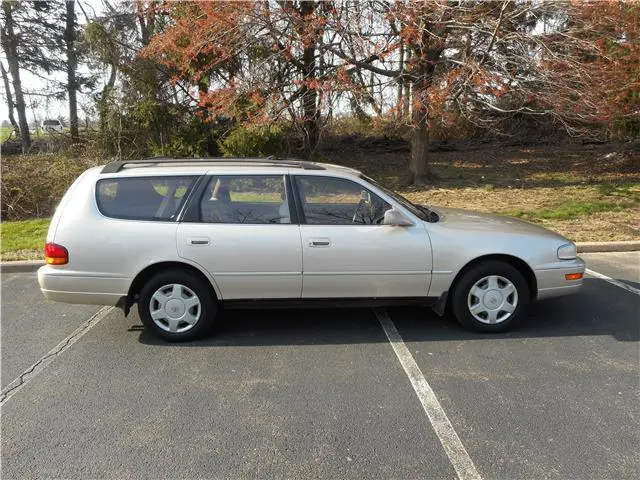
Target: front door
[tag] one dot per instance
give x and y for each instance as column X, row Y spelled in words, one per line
column 348, row 253
column 244, row 237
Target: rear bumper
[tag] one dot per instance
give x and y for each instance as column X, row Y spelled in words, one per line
column 61, row 285
column 552, row 283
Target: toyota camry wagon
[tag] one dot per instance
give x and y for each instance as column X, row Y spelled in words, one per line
column 182, row 238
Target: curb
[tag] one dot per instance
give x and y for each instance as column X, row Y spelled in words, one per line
column 20, row 266
column 583, row 247
column 602, row 247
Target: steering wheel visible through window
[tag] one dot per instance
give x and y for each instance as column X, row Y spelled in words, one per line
column 339, row 201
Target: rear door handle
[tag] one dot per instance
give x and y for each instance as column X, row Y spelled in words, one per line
column 319, row 242
column 198, row 240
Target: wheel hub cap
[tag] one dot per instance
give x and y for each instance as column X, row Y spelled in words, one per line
column 492, row 299
column 175, row 308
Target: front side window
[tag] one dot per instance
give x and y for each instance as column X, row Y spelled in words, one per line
column 250, row 199
column 338, row 201
column 400, row 199
column 143, row 198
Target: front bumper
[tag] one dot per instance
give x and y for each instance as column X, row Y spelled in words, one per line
column 551, row 279
column 62, row 285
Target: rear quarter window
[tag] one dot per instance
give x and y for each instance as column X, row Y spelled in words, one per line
column 143, row 198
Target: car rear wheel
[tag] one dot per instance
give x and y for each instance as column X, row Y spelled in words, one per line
column 176, row 306
column 490, row 297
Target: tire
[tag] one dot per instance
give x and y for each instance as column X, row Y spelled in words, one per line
column 188, row 317
column 490, row 297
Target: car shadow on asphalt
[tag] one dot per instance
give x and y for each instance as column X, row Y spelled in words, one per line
column 598, row 309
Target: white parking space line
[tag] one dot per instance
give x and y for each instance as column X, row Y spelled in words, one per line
column 25, row 377
column 448, row 437
column 613, row 281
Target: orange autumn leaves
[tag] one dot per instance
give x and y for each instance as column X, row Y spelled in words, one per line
column 244, row 59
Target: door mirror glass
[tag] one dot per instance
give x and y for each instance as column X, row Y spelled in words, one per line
column 396, row 218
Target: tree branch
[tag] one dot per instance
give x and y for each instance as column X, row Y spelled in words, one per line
column 495, row 32
column 366, row 64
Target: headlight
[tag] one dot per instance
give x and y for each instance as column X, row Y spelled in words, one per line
column 567, row 252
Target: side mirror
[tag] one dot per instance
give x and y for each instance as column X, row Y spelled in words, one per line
column 395, row 218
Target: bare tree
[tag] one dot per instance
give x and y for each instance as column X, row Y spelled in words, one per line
column 10, row 46
column 71, row 67
column 257, row 62
column 482, row 60
column 9, row 95
column 438, row 61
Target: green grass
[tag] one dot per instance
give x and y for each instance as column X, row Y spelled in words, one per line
column 5, row 133
column 569, row 210
column 612, row 198
column 558, row 178
column 24, row 238
column 630, row 191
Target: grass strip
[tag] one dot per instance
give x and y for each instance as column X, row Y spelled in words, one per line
column 23, row 238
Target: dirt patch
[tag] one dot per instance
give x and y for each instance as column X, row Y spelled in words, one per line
column 507, row 166
column 600, row 182
column 599, row 227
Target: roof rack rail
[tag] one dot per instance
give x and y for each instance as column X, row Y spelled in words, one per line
column 116, row 166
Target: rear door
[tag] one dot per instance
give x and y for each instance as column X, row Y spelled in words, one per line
column 240, row 229
column 348, row 253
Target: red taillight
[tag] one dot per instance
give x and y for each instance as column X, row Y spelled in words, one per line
column 55, row 254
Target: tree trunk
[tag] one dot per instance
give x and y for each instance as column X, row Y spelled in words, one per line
column 400, row 102
column 9, row 44
column 10, row 106
column 147, row 25
column 367, row 94
column 426, row 56
column 419, row 165
column 309, row 96
column 309, row 105
column 406, row 107
column 72, row 65
column 103, row 104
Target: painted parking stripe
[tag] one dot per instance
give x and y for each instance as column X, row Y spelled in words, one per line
column 25, row 377
column 613, row 281
column 448, row 437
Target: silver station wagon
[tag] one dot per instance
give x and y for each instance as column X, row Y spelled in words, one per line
column 181, row 238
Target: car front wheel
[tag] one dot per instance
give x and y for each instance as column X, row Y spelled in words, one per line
column 490, row 297
column 176, row 306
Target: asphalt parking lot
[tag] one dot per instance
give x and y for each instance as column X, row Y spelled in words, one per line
column 324, row 393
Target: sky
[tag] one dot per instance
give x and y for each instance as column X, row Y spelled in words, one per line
column 39, row 106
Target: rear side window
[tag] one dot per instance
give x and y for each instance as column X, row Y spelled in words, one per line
column 143, row 198
column 252, row 199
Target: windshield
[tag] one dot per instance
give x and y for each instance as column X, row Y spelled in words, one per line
column 416, row 210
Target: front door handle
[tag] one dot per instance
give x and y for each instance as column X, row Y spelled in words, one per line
column 319, row 242
column 199, row 240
